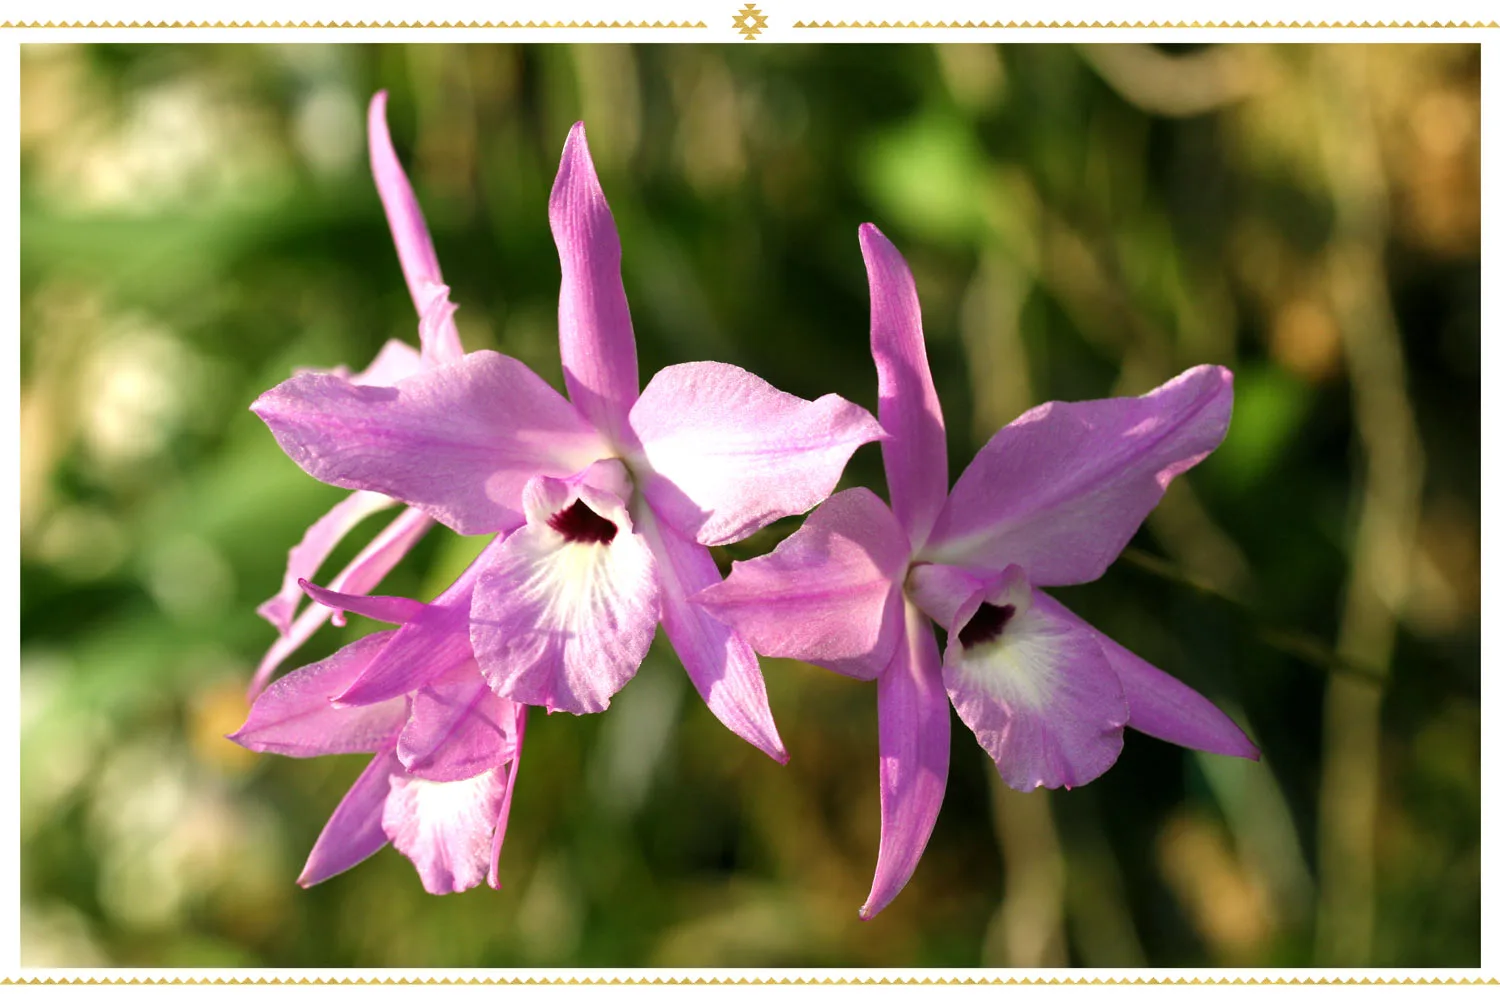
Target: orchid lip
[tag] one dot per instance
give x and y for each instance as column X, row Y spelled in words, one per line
column 580, row 523
column 987, row 625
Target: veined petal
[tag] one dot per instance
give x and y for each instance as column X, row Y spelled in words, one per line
column 916, row 450
column 510, row 794
column 458, row 441
column 308, row 555
column 566, row 613
column 593, row 318
column 1164, row 707
column 830, row 594
column 457, row 730
column 295, row 716
column 354, row 831
column 445, row 828
column 395, row 361
column 427, row 647
column 380, row 607
column 1060, row 490
column 728, row 453
column 721, row 665
column 419, row 264
column 914, row 740
column 1036, row 688
column 363, row 573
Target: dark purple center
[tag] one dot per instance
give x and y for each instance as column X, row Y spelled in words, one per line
column 986, row 625
column 580, row 523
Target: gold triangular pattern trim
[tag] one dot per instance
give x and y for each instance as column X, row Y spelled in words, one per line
column 1144, row 24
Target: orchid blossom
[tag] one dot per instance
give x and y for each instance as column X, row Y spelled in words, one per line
column 440, row 784
column 604, row 505
column 1050, row 500
column 395, row 361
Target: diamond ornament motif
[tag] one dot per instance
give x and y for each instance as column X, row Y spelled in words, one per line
column 750, row 21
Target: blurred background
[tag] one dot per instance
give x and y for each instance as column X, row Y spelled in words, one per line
column 198, row 221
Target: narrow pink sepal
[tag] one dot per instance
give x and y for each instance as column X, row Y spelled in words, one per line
column 308, row 555
column 916, row 450
column 354, row 831
column 914, row 743
column 593, row 317
column 510, row 793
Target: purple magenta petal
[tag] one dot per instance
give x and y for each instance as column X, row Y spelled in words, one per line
column 295, row 717
column 510, row 794
column 829, row 595
column 721, row 665
column 1038, row 692
column 458, row 441
column 308, row 555
column 916, row 452
column 563, row 620
column 363, row 573
column 381, row 607
column 1164, row 707
column 593, row 318
column 457, row 730
column 354, row 831
column 914, row 740
column 395, row 361
column 1060, row 490
column 729, row 453
column 419, row 264
column 445, row 828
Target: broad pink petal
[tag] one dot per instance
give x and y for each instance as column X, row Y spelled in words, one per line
column 308, row 555
column 354, row 831
column 916, row 451
column 1041, row 698
column 395, row 361
column 458, row 441
column 445, row 828
column 295, row 716
column 510, row 794
column 593, row 318
column 914, row 740
column 721, row 665
column 729, row 453
column 457, row 730
column 363, row 573
column 1164, row 707
column 1060, row 490
column 830, row 594
column 564, row 623
column 427, row 647
column 419, row 262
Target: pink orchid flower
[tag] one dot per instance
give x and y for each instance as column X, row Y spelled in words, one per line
column 1050, row 500
column 604, row 505
column 446, row 755
column 395, row 362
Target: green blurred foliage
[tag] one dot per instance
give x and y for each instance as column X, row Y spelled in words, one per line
column 197, row 221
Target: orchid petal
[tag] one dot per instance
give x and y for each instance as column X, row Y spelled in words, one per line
column 916, row 451
column 457, row 730
column 380, row 607
column 428, row 646
column 1037, row 690
column 395, row 361
column 458, row 441
column 419, row 264
column 914, row 741
column 354, row 830
column 729, row 453
column 445, row 828
column 294, row 716
column 830, row 594
column 363, row 573
column 593, row 318
column 564, row 621
column 510, row 793
column 1164, row 707
column 1060, row 490
column 308, row 555
column 720, row 663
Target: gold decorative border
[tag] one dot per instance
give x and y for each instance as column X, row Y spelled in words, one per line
column 633, row 25
column 522, row 980
column 949, row 25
